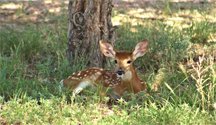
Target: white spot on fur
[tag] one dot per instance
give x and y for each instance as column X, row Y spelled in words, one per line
column 69, row 77
column 73, row 78
column 79, row 73
column 106, row 81
column 93, row 77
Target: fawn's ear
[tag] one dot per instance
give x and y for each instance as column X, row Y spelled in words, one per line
column 140, row 49
column 107, row 49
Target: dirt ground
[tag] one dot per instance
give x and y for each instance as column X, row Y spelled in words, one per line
column 23, row 11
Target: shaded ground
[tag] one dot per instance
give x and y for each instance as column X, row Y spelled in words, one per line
column 20, row 12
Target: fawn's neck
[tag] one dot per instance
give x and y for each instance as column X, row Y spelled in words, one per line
column 131, row 80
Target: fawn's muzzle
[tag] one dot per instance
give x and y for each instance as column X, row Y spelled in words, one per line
column 120, row 72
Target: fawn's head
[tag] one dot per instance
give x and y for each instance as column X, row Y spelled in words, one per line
column 124, row 59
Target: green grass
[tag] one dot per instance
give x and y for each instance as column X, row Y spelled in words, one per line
column 33, row 61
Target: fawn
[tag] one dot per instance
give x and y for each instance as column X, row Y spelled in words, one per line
column 123, row 79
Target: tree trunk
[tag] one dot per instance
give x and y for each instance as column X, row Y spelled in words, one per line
column 89, row 22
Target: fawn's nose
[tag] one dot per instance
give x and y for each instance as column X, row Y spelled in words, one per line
column 120, row 71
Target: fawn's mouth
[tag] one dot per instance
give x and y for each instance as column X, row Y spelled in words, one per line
column 120, row 72
column 124, row 75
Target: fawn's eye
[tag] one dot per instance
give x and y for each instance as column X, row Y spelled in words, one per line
column 128, row 62
column 115, row 61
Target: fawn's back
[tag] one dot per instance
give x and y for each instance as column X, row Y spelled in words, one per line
column 124, row 78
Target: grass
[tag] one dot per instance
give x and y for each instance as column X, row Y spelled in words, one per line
column 179, row 69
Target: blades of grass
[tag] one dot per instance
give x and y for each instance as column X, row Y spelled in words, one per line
column 170, row 88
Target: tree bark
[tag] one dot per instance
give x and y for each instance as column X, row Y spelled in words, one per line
column 89, row 22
